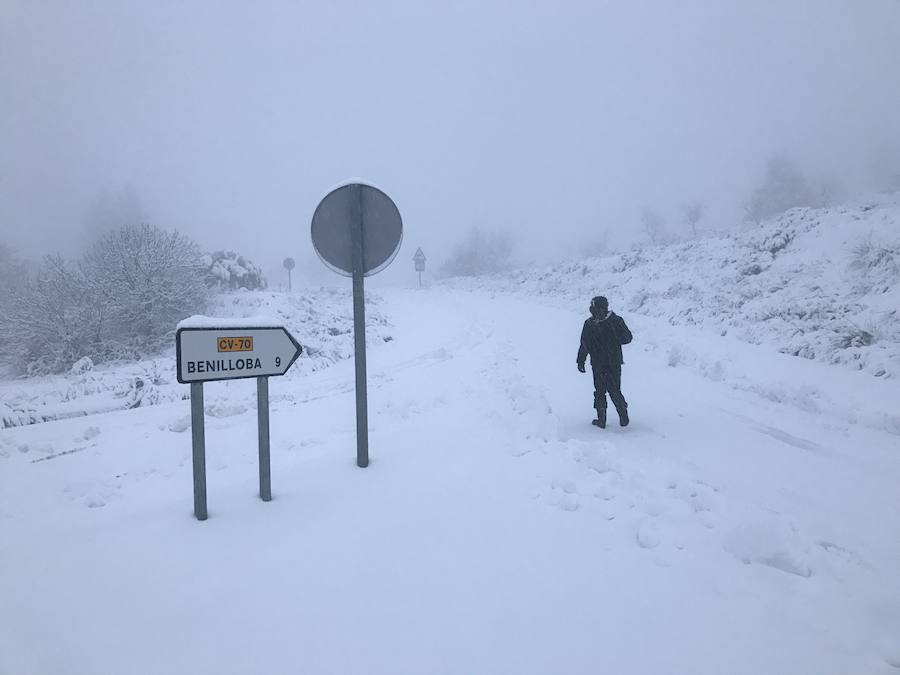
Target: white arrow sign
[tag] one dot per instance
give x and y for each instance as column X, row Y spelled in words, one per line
column 222, row 349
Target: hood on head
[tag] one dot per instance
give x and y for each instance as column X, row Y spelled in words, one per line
column 599, row 306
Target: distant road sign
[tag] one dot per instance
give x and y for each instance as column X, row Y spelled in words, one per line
column 419, row 259
column 209, row 353
column 289, row 265
column 349, row 211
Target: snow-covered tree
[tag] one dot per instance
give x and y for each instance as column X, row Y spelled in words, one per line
column 152, row 277
column 227, row 270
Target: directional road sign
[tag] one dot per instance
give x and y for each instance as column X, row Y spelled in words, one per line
column 208, row 353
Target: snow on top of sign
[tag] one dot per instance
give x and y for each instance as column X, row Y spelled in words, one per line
column 354, row 181
column 199, row 321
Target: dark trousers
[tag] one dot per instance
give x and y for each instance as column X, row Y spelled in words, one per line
column 608, row 379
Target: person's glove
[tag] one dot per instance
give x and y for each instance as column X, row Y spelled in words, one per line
column 580, row 367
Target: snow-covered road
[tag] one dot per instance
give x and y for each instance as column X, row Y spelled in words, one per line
column 746, row 522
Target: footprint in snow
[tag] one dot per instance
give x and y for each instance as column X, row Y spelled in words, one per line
column 648, row 535
column 90, row 433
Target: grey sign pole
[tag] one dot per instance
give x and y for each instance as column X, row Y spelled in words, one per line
column 359, row 331
column 262, row 414
column 198, row 436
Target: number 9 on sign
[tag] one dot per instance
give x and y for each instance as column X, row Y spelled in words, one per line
column 278, row 362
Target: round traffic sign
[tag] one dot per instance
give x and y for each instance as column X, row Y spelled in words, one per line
column 351, row 212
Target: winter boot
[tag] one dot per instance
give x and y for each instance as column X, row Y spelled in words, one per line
column 623, row 417
column 601, row 418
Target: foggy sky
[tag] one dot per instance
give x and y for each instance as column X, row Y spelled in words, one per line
column 553, row 120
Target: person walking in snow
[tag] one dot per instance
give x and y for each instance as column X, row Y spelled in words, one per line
column 602, row 337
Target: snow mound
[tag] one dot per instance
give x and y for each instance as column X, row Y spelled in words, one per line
column 775, row 543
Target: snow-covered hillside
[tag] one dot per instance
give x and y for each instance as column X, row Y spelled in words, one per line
column 321, row 320
column 822, row 284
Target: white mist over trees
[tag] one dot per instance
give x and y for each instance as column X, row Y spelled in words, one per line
column 783, row 188
column 111, row 209
column 654, row 226
column 692, row 214
column 479, row 252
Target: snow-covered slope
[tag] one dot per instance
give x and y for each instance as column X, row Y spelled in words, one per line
column 822, row 284
column 495, row 531
column 321, row 320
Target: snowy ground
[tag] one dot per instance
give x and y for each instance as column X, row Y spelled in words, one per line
column 728, row 530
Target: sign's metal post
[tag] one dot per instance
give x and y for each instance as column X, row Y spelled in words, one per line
column 198, row 437
column 262, row 414
column 359, row 332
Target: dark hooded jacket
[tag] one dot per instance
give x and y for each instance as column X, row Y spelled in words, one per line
column 602, row 337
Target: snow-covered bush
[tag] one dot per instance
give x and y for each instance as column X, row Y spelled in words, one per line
column 52, row 319
column 479, row 253
column 870, row 253
column 120, row 301
column 228, row 271
column 151, row 279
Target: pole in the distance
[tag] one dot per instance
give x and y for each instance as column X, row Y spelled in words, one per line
column 262, row 414
column 359, row 334
column 198, row 437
